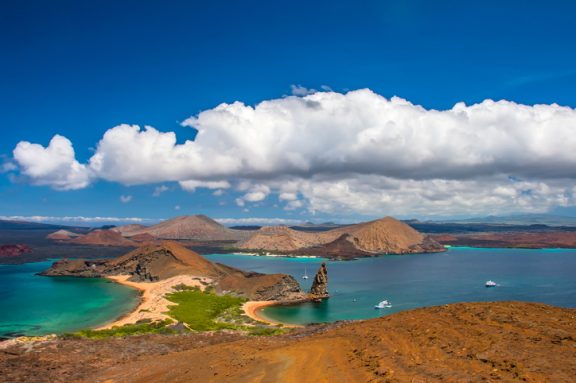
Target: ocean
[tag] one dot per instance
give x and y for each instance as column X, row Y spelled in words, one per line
column 35, row 305
column 419, row 280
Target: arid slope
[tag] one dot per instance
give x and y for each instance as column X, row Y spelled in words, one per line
column 386, row 235
column 468, row 342
column 157, row 262
column 197, row 227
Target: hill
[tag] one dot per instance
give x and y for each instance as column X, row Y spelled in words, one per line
column 196, row 227
column 128, row 229
column 464, row 342
column 62, row 235
column 157, row 262
column 382, row 236
column 102, row 238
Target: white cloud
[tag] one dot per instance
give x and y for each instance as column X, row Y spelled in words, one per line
column 358, row 152
column 218, row 193
column 300, row 91
column 257, row 193
column 177, row 207
column 192, row 185
column 77, row 219
column 125, row 198
column 288, row 196
column 54, row 165
column 293, row 205
column 158, row 190
column 7, row 166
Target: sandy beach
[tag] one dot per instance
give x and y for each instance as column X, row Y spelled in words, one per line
column 153, row 305
column 252, row 309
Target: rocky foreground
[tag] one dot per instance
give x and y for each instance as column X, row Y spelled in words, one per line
column 468, row 342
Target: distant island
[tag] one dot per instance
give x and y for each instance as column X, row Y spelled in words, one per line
column 383, row 236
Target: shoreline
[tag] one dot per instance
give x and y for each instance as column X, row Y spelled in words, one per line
column 253, row 310
column 153, row 305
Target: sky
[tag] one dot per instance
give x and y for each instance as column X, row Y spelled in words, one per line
column 281, row 112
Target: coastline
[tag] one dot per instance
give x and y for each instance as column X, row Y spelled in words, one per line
column 252, row 309
column 153, row 305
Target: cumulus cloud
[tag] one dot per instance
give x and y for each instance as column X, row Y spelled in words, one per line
column 192, row 185
column 358, row 152
column 299, row 90
column 77, row 219
column 54, row 165
column 158, row 190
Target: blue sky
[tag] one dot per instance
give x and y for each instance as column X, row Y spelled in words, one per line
column 78, row 69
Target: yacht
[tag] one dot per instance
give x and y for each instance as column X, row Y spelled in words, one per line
column 491, row 284
column 383, row 305
column 305, row 276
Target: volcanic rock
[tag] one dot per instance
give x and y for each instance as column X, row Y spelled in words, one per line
column 62, row 235
column 103, row 238
column 161, row 261
column 319, row 288
column 197, row 227
column 128, row 229
column 464, row 342
column 14, row 250
column 383, row 236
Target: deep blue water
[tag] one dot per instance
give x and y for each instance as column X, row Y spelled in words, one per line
column 35, row 305
column 412, row 281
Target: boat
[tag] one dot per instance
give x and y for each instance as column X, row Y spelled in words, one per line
column 305, row 276
column 383, row 305
column 491, row 284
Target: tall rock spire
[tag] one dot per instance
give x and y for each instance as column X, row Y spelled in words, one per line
column 319, row 288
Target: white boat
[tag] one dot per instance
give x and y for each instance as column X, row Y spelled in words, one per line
column 383, row 305
column 305, row 276
column 491, row 284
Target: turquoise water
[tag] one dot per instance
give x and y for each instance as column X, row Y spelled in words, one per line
column 35, row 305
column 412, row 281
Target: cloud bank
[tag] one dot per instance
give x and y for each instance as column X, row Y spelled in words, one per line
column 353, row 153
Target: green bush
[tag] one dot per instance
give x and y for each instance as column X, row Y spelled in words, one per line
column 201, row 310
column 158, row 327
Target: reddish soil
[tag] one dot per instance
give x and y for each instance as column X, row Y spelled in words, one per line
column 198, row 227
column 468, row 342
column 102, row 238
column 14, row 250
column 532, row 240
column 382, row 236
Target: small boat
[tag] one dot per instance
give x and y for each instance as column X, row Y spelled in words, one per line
column 491, row 284
column 305, row 276
column 383, row 305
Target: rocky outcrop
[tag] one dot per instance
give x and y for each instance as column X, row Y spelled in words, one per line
column 319, row 288
column 260, row 287
column 161, row 261
column 14, row 250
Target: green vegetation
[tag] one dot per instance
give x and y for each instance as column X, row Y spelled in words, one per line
column 158, row 327
column 199, row 311
column 206, row 311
